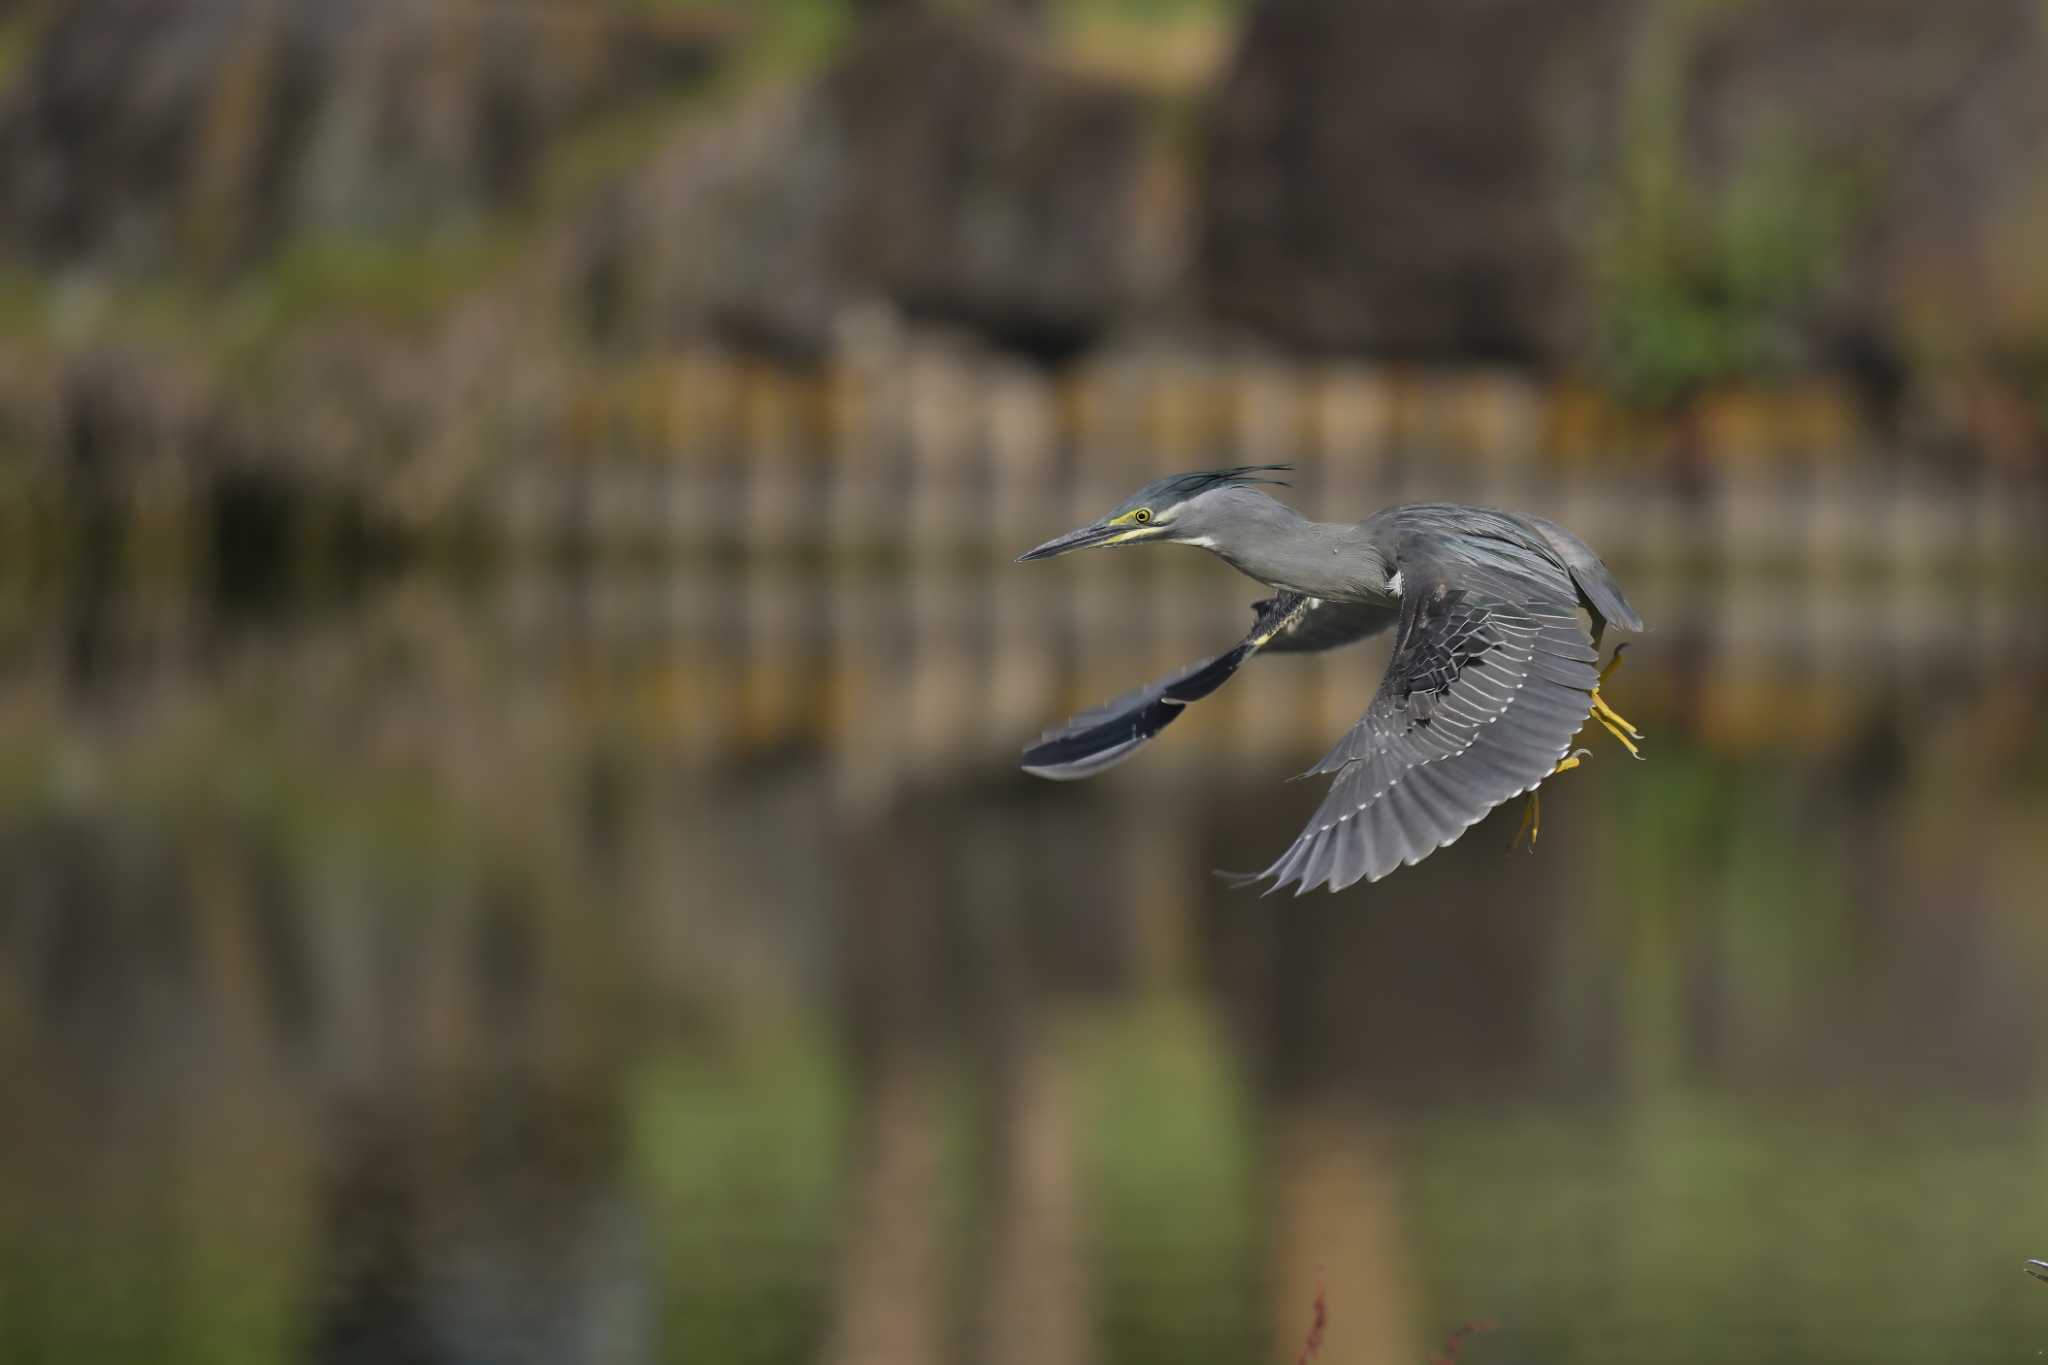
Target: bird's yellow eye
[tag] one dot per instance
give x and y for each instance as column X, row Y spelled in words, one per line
column 1142, row 515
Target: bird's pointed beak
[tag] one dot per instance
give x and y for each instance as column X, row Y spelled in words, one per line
column 1101, row 533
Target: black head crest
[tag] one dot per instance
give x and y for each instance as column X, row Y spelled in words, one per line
column 1180, row 487
column 1187, row 485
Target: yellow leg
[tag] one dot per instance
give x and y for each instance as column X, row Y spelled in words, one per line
column 1607, row 670
column 1532, row 823
column 1610, row 720
column 1532, row 813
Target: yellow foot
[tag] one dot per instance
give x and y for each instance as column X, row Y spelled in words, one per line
column 1610, row 719
column 1617, row 725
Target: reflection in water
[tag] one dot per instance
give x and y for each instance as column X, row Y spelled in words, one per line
column 497, row 1234
column 639, row 963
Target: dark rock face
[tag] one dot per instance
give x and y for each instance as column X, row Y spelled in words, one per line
column 986, row 185
column 944, row 162
column 1385, row 176
column 946, row 166
column 157, row 133
column 1930, row 122
column 1702, row 188
column 1667, row 192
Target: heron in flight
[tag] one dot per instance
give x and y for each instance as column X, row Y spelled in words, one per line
column 1494, row 670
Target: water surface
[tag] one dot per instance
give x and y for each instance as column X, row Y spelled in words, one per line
column 661, row 960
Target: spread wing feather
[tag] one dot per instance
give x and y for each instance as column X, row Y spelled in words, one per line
column 1492, row 675
column 1101, row 738
column 1107, row 735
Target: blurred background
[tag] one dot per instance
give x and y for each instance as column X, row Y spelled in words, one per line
column 511, row 671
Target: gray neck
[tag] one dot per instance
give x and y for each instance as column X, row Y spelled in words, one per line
column 1275, row 544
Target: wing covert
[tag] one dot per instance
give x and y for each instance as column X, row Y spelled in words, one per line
column 1330, row 625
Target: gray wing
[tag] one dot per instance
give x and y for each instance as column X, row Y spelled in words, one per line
column 1109, row 734
column 1492, row 675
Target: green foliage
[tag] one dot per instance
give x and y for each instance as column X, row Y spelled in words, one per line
column 1690, row 1209
column 1170, row 1172
column 784, row 31
column 743, row 1155
column 1149, row 11
column 403, row 278
column 189, row 1247
column 1696, row 281
column 1695, row 287
column 20, row 30
column 2026, row 368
